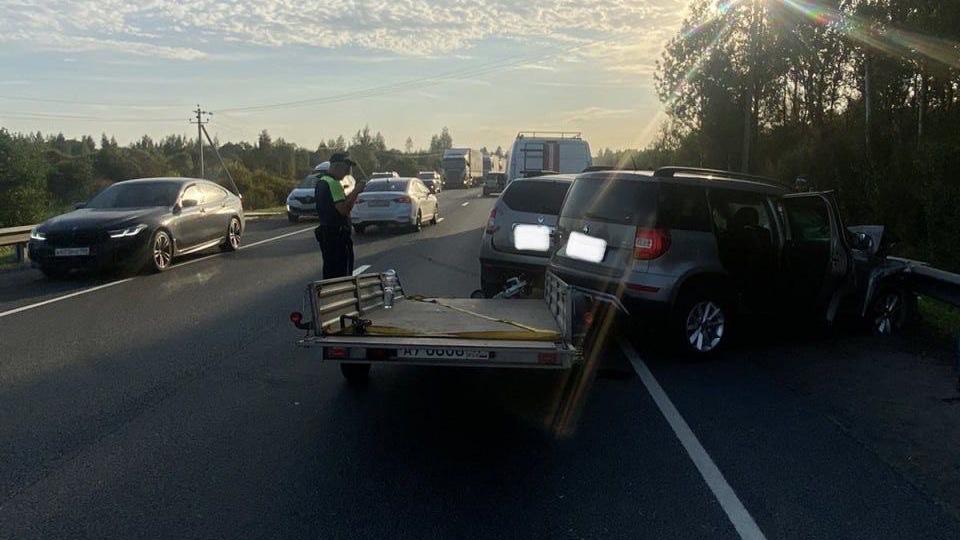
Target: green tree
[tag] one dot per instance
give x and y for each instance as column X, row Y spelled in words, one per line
column 23, row 172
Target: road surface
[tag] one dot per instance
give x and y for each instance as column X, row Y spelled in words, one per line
column 177, row 406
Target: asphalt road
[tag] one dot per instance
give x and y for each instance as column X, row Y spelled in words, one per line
column 177, row 406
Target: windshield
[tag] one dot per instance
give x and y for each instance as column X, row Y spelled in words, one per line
column 310, row 181
column 136, row 195
column 386, row 185
column 586, row 273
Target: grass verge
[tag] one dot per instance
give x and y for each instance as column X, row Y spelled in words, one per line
column 942, row 318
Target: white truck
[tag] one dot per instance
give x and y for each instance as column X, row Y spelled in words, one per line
column 351, row 326
column 537, row 152
column 462, row 167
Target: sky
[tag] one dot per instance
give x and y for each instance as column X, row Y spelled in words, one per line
column 310, row 70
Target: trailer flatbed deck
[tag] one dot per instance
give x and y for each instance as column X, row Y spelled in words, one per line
column 356, row 328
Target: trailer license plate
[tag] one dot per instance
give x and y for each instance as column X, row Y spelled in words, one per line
column 71, row 252
column 432, row 353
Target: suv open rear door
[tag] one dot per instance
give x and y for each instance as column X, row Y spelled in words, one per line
column 816, row 261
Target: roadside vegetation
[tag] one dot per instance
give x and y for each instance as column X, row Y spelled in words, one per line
column 43, row 175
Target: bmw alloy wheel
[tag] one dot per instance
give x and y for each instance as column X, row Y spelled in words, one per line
column 162, row 251
column 233, row 234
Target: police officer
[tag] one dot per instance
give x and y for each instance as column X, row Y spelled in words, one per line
column 333, row 209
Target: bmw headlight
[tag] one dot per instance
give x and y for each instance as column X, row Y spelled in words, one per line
column 129, row 231
column 37, row 236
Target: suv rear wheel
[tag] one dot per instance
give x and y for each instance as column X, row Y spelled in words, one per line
column 702, row 322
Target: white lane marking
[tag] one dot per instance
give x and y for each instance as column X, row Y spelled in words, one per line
column 248, row 246
column 440, row 220
column 362, row 269
column 64, row 297
column 119, row 281
column 466, row 203
column 741, row 519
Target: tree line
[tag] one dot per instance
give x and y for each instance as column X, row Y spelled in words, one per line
column 42, row 175
column 860, row 96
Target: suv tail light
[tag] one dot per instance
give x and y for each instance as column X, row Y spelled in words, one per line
column 650, row 243
column 492, row 222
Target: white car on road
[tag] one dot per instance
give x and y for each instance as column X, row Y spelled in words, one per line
column 404, row 202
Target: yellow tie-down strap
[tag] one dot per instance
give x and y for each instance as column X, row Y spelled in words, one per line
column 524, row 332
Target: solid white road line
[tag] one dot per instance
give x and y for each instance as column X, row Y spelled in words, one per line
column 465, row 203
column 362, row 269
column 248, row 246
column 64, row 297
column 118, row 282
column 440, row 220
column 741, row 519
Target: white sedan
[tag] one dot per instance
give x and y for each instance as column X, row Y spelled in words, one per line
column 395, row 201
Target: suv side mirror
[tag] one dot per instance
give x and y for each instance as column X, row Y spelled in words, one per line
column 862, row 241
column 79, row 205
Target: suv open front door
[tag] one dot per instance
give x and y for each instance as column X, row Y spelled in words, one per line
column 815, row 261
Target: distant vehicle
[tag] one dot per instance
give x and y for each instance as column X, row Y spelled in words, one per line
column 494, row 182
column 558, row 151
column 493, row 163
column 529, row 207
column 384, row 174
column 395, row 201
column 432, row 180
column 300, row 201
column 699, row 247
column 139, row 224
column 462, row 167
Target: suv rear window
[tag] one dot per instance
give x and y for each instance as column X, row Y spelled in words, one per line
column 614, row 200
column 535, row 197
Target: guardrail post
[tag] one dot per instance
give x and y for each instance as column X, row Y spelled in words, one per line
column 21, row 250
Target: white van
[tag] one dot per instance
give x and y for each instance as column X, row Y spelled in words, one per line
column 556, row 151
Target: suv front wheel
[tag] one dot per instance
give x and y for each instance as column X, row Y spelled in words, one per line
column 702, row 323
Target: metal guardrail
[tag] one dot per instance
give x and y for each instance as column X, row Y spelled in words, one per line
column 19, row 236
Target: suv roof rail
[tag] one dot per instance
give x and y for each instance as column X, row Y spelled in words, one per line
column 670, row 172
column 530, row 173
column 595, row 168
column 557, row 134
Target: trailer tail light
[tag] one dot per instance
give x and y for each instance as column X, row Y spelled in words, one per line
column 378, row 354
column 548, row 358
column 403, row 200
column 337, row 353
column 650, row 243
column 296, row 318
column 492, row 222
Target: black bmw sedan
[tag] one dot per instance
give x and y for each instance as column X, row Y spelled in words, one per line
column 139, row 224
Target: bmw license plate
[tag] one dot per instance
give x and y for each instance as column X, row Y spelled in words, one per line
column 72, row 252
column 436, row 353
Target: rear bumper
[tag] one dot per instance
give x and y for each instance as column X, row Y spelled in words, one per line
column 443, row 352
column 389, row 216
column 651, row 298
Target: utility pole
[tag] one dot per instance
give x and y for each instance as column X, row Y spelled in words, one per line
column 202, row 118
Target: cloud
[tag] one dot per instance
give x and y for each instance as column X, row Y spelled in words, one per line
column 198, row 29
column 589, row 114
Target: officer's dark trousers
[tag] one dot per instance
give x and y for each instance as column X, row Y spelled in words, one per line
column 336, row 246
